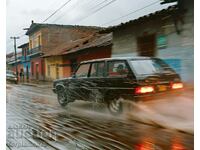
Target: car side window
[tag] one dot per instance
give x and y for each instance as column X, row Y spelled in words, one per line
column 117, row 69
column 97, row 69
column 83, row 70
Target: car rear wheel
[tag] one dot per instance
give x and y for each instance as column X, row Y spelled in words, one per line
column 62, row 99
column 115, row 106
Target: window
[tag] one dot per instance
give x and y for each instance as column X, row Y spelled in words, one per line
column 83, row 71
column 39, row 40
column 49, row 70
column 117, row 69
column 151, row 66
column 32, row 68
column 57, row 72
column 97, row 69
column 31, row 46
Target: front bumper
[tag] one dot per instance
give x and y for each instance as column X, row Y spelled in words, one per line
column 54, row 90
column 11, row 80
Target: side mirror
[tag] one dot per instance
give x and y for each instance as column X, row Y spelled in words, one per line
column 73, row 75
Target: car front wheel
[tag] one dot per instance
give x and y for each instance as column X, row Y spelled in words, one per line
column 62, row 99
column 115, row 106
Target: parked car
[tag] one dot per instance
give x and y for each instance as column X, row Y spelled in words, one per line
column 112, row 80
column 11, row 76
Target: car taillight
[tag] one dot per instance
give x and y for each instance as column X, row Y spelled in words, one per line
column 144, row 89
column 177, row 85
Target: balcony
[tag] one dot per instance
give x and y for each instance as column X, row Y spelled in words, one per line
column 25, row 58
column 34, row 51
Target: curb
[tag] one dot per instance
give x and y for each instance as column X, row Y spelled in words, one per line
column 28, row 84
column 37, row 85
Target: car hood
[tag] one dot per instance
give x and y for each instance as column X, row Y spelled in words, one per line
column 58, row 80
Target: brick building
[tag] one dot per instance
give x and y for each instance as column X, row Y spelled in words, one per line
column 44, row 38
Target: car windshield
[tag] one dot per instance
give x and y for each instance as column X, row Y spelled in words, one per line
column 150, row 66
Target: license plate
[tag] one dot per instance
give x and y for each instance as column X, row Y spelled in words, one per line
column 162, row 88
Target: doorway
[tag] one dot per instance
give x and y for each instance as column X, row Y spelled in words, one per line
column 147, row 45
column 37, row 71
column 27, row 73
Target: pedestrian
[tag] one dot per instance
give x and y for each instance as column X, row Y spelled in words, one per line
column 21, row 74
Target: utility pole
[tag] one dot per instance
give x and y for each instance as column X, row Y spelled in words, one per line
column 15, row 48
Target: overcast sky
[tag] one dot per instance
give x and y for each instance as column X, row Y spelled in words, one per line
column 21, row 12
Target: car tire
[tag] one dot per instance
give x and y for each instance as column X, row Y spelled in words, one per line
column 61, row 96
column 115, row 106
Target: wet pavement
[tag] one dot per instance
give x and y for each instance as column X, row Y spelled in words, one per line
column 35, row 120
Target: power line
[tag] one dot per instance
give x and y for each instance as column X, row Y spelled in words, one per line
column 57, row 10
column 22, row 36
column 130, row 13
column 92, row 13
column 78, row 5
column 59, row 17
column 49, row 16
column 99, row 4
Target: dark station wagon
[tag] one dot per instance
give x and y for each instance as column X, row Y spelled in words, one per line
column 113, row 80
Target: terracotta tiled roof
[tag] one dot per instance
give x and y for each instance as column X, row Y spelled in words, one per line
column 36, row 26
column 96, row 40
column 170, row 9
column 23, row 45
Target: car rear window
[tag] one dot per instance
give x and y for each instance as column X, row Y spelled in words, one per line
column 150, row 66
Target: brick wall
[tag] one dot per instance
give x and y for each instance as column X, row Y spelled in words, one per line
column 55, row 36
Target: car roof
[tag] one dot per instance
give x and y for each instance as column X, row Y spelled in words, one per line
column 116, row 58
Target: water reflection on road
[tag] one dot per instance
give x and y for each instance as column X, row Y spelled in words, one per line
column 36, row 121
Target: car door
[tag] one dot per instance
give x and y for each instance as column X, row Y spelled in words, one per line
column 119, row 79
column 79, row 85
column 97, row 81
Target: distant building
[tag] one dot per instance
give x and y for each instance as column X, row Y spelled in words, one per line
column 168, row 33
column 12, row 64
column 9, row 58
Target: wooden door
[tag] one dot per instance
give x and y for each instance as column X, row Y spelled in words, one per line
column 37, row 71
column 147, row 45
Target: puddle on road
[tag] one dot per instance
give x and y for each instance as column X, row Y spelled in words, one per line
column 176, row 113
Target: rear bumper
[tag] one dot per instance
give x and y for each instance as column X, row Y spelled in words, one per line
column 154, row 96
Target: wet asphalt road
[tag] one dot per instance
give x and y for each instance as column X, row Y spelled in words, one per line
column 36, row 121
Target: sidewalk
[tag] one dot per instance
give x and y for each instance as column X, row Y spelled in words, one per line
column 41, row 84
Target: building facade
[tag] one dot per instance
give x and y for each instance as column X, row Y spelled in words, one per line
column 25, row 61
column 43, row 39
column 63, row 61
column 168, row 34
